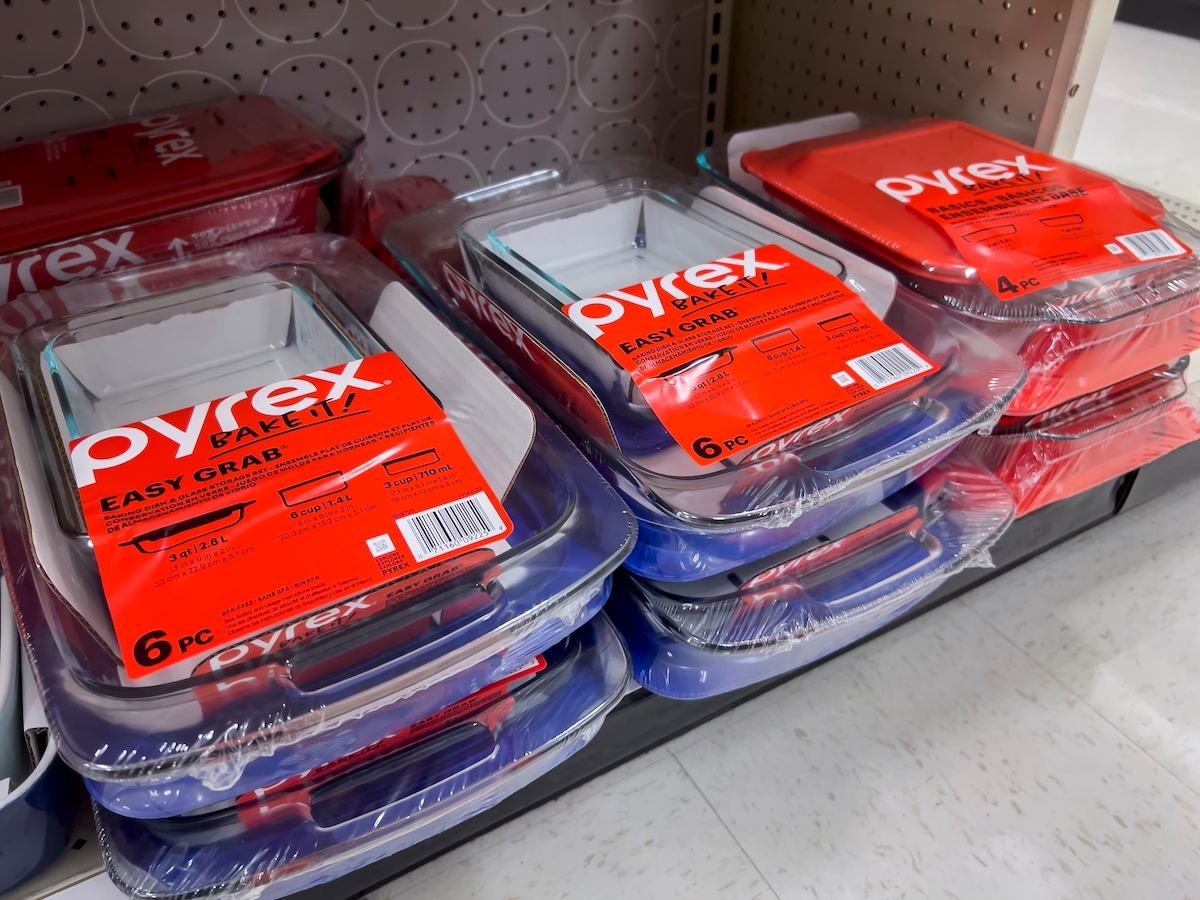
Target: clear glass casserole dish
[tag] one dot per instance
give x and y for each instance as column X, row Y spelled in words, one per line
column 506, row 261
column 1078, row 445
column 364, row 808
column 325, row 681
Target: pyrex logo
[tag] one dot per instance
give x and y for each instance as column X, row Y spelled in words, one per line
column 282, row 638
column 179, row 143
column 484, row 311
column 68, row 263
column 951, row 180
column 594, row 312
column 275, row 400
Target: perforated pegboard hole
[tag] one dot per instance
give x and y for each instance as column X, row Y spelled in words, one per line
column 621, row 136
column 424, row 92
column 36, row 113
column 36, row 39
column 293, row 21
column 160, row 31
column 616, row 63
column 411, row 13
column 322, row 80
column 528, row 154
column 516, row 7
column 683, row 58
column 453, row 170
column 178, row 89
column 249, row 53
column 1182, row 209
column 524, row 77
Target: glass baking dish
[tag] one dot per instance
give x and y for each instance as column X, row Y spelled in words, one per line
column 187, row 737
column 41, row 795
column 1083, row 443
column 177, row 161
column 506, row 260
column 102, row 370
column 361, row 809
column 716, row 634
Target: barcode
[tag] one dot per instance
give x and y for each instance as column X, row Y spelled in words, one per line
column 888, row 366
column 1148, row 245
column 450, row 526
column 10, row 197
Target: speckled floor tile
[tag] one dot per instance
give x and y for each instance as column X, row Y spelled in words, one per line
column 940, row 761
column 651, row 834
column 1115, row 615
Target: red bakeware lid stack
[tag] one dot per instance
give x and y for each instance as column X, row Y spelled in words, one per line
column 76, row 183
column 949, row 202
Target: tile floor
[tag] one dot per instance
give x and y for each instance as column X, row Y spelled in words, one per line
column 1143, row 122
column 1039, row 737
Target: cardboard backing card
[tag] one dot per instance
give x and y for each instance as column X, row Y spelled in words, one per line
column 227, row 518
column 744, row 349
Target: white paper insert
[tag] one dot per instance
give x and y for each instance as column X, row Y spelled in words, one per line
column 780, row 136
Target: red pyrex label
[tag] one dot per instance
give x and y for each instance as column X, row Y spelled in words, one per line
column 282, row 211
column 742, row 350
column 246, row 512
column 490, row 706
column 84, row 181
column 1034, row 221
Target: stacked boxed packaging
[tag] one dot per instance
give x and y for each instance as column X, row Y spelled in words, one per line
column 1090, row 281
column 166, row 186
column 302, row 579
column 751, row 390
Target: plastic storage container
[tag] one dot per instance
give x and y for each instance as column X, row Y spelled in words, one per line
column 174, row 183
column 363, row 809
column 756, row 622
column 41, row 796
column 214, row 720
column 1076, row 446
column 1114, row 290
column 524, row 265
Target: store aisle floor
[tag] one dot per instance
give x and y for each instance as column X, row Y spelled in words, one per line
column 1039, row 737
column 1143, row 122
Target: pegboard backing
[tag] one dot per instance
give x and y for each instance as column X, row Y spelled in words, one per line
column 468, row 91
column 1002, row 64
column 1182, row 209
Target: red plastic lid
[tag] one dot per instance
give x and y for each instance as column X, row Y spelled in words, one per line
column 1096, row 413
column 75, row 183
column 834, row 180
